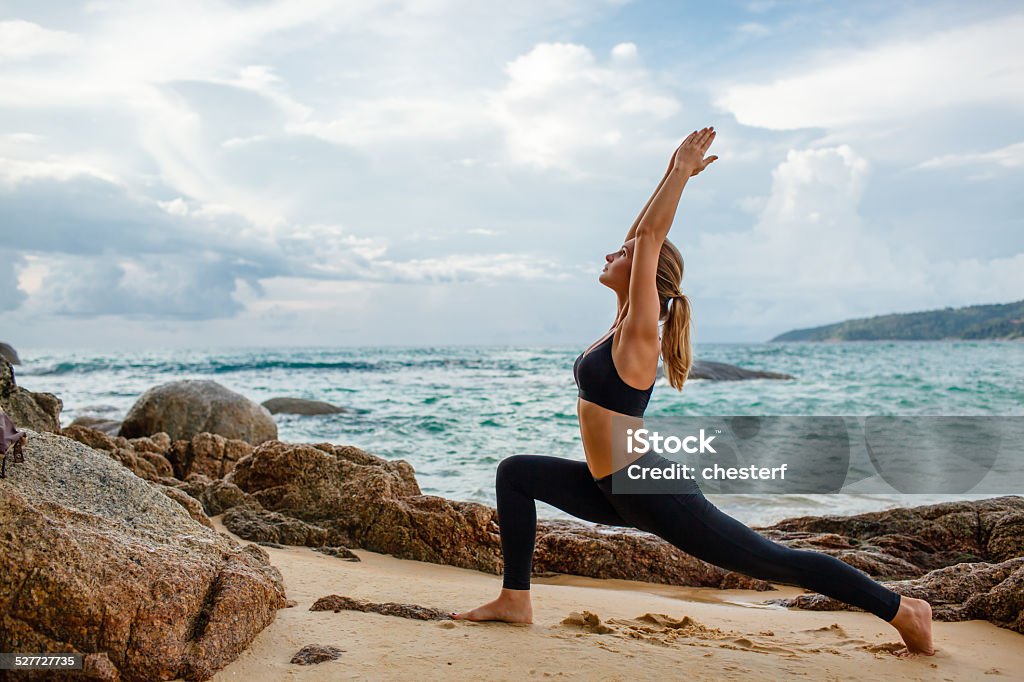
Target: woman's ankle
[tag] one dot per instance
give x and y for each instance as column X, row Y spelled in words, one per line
column 515, row 595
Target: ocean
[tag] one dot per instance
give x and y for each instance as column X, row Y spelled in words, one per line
column 455, row 412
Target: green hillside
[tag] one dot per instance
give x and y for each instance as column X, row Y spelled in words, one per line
column 997, row 321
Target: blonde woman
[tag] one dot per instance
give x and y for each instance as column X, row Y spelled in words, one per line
column 615, row 377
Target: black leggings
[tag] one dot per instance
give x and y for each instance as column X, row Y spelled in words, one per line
column 687, row 520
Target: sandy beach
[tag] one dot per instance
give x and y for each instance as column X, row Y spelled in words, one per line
column 644, row 631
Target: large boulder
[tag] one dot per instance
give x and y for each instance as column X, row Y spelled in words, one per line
column 98, row 561
column 36, row 411
column 185, row 408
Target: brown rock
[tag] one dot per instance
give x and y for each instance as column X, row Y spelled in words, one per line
column 91, row 437
column 191, row 504
column 184, row 409
column 220, row 496
column 260, row 525
column 145, row 463
column 338, row 553
column 908, row 542
column 208, row 454
column 28, row 410
column 159, row 443
column 966, row 591
column 312, row 654
column 336, row 603
column 96, row 560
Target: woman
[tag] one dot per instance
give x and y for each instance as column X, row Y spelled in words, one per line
column 615, row 378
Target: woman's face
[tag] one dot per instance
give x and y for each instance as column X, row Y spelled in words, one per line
column 617, row 267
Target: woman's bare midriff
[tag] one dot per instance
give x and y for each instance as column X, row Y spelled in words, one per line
column 604, row 437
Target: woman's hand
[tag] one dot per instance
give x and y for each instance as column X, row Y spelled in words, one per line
column 689, row 156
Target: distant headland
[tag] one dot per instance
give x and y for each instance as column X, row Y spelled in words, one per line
column 1003, row 321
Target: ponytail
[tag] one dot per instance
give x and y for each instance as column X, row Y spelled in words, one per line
column 676, row 350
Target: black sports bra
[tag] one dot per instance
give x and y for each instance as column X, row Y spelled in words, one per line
column 599, row 382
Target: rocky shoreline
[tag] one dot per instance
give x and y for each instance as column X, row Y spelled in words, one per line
column 109, row 549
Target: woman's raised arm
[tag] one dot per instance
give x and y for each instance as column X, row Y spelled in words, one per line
column 671, row 163
column 641, row 320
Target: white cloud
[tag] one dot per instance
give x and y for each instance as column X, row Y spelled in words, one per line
column 24, row 40
column 1011, row 156
column 559, row 100
column 982, row 63
column 16, row 171
column 811, row 257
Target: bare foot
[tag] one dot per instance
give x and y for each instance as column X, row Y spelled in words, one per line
column 914, row 623
column 511, row 606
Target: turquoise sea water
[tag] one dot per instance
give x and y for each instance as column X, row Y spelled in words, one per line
column 455, row 412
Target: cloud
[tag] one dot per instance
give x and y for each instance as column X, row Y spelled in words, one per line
column 981, row 63
column 1011, row 156
column 107, row 251
column 25, row 40
column 11, row 294
column 140, row 287
column 560, row 100
column 811, row 257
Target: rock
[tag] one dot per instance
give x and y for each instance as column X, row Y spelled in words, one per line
column 337, row 603
column 184, row 409
column 98, row 561
column 159, row 443
column 209, row 454
column 908, row 542
column 111, row 427
column 220, row 496
column 28, row 410
column 260, row 525
column 316, row 653
column 301, row 406
column 338, row 552
column 627, row 554
column 966, row 591
column 145, row 462
column 191, row 504
column 8, row 353
column 721, row 371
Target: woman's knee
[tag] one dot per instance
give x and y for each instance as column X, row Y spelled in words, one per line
column 512, row 468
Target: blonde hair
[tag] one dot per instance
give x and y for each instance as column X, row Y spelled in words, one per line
column 675, row 310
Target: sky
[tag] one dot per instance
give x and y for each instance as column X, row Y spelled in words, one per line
column 435, row 172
